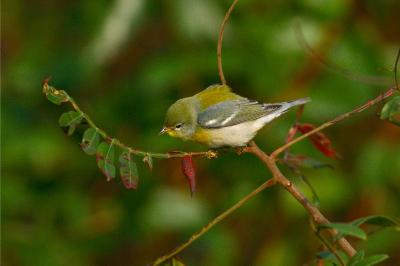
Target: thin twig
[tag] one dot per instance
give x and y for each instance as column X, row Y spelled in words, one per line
column 214, row 222
column 359, row 109
column 326, row 243
column 395, row 69
column 220, row 38
column 175, row 154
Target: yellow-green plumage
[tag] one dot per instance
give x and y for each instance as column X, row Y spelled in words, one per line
column 214, row 95
column 218, row 117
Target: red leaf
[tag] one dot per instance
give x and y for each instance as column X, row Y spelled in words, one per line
column 189, row 172
column 319, row 139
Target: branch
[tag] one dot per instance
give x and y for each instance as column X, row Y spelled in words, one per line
column 220, row 38
column 339, row 118
column 316, row 215
column 63, row 97
column 214, row 222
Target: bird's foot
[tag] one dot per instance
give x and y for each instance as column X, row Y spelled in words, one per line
column 211, row 154
column 241, row 150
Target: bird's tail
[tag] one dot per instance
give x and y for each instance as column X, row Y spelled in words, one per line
column 281, row 108
column 285, row 106
column 298, row 102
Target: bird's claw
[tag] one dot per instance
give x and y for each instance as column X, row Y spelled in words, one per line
column 240, row 150
column 211, row 154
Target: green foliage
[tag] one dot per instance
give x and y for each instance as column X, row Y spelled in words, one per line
column 70, row 120
column 391, row 111
column 105, row 154
column 377, row 220
column 360, row 260
column 55, row 209
column 53, row 95
column 90, row 141
column 346, row 229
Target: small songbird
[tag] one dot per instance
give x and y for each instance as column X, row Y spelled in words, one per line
column 218, row 117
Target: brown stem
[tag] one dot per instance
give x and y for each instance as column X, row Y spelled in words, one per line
column 220, row 38
column 359, row 109
column 214, row 222
column 316, row 215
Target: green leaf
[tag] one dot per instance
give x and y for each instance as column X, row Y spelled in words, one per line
column 90, row 141
column 176, row 262
column 128, row 170
column 105, row 159
column 377, row 220
column 357, row 258
column 371, row 260
column 71, row 120
column 330, row 258
column 391, row 111
column 53, row 95
column 346, row 229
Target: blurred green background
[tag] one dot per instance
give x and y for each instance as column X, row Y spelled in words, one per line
column 125, row 62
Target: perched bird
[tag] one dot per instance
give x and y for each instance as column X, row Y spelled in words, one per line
column 218, row 117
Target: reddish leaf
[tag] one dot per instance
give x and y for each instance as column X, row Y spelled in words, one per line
column 297, row 161
column 128, row 170
column 319, row 139
column 189, row 172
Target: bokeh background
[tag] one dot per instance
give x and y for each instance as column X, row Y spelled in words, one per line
column 125, row 62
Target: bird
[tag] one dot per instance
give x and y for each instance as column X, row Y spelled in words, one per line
column 218, row 117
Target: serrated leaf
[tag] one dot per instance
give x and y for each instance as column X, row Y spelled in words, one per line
column 128, row 170
column 105, row 159
column 189, row 172
column 391, row 111
column 377, row 220
column 53, row 95
column 90, row 141
column 371, row 260
column 359, row 256
column 70, row 120
column 346, row 229
column 148, row 160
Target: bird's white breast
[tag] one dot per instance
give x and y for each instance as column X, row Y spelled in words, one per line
column 235, row 136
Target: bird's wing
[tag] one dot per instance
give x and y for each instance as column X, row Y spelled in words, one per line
column 229, row 113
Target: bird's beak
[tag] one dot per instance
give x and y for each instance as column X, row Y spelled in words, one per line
column 164, row 130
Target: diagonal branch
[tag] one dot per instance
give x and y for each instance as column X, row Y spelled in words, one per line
column 317, row 216
column 339, row 118
column 214, row 222
column 50, row 91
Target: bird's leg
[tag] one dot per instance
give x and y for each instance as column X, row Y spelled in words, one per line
column 245, row 149
column 241, row 150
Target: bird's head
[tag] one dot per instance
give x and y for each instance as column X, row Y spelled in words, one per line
column 180, row 120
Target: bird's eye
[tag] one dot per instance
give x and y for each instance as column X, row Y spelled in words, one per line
column 178, row 126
